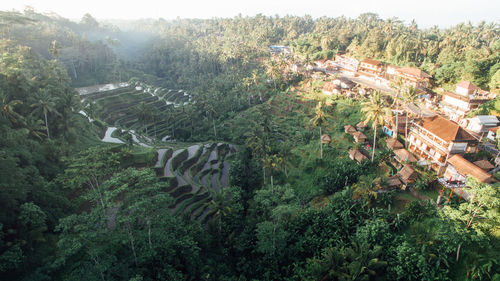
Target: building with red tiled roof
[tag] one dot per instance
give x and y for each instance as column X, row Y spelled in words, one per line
column 466, row 88
column 437, row 138
column 460, row 168
column 370, row 67
column 413, row 76
column 466, row 98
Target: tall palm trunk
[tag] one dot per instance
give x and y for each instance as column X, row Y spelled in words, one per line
column 374, row 141
column 215, row 131
column 320, row 144
column 46, row 125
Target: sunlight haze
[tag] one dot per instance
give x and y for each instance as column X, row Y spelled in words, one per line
column 427, row 13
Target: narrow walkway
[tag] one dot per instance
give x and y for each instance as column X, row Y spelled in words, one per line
column 419, row 195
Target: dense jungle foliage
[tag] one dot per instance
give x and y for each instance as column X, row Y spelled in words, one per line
column 76, row 208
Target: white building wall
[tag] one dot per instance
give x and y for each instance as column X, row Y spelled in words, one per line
column 456, row 102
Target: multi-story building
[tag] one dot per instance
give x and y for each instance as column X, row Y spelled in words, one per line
column 413, row 76
column 346, row 63
column 436, row 139
column 466, row 97
column 371, row 67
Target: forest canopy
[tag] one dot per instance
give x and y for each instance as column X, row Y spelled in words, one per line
column 76, row 208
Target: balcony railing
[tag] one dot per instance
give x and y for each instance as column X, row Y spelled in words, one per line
column 447, row 184
column 428, row 136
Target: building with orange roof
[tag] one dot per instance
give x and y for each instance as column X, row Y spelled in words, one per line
column 437, row 138
column 460, row 168
column 371, row 66
column 466, row 98
column 413, row 76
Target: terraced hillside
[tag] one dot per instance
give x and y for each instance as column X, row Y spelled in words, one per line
column 193, row 175
column 119, row 104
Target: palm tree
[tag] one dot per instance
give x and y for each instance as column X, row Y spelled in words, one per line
column 92, row 108
column 360, row 261
column 410, row 97
column 34, row 126
column 375, row 111
column 398, row 85
column 319, row 119
column 273, row 163
column 44, row 103
column 144, row 114
column 7, row 109
column 219, row 204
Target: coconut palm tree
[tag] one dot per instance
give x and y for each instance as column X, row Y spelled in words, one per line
column 273, row 162
column 318, row 120
column 7, row 109
column 44, row 103
column 398, row 85
column 375, row 111
column 34, row 126
column 220, row 205
column 144, row 114
column 409, row 97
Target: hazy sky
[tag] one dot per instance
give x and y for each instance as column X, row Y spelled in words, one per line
column 425, row 12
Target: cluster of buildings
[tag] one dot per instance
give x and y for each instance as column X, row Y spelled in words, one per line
column 376, row 71
column 436, row 139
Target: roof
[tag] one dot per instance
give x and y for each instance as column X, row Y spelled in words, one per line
column 361, row 125
column 405, row 155
column 414, row 72
column 446, row 129
column 325, row 138
column 355, row 154
column 358, row 135
column 371, row 61
column 349, row 129
column 466, row 168
column 487, row 119
column 494, row 130
column 407, row 174
column 467, row 85
column 484, row 164
column 393, row 143
column 401, row 120
column 393, row 181
column 328, row 86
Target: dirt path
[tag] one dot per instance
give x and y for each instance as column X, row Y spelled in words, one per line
column 419, row 195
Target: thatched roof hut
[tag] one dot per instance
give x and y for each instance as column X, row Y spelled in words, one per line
column 325, row 138
column 393, row 144
column 407, row 174
column 349, row 129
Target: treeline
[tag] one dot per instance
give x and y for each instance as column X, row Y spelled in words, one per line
column 84, row 48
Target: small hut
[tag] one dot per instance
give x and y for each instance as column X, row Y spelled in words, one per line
column 349, row 129
column 361, row 126
column 393, row 144
column 325, row 139
column 357, row 155
column 407, row 174
column 359, row 137
column 484, row 164
column 394, row 182
column 403, row 155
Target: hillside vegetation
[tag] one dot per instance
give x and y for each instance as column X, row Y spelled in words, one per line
column 204, row 159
